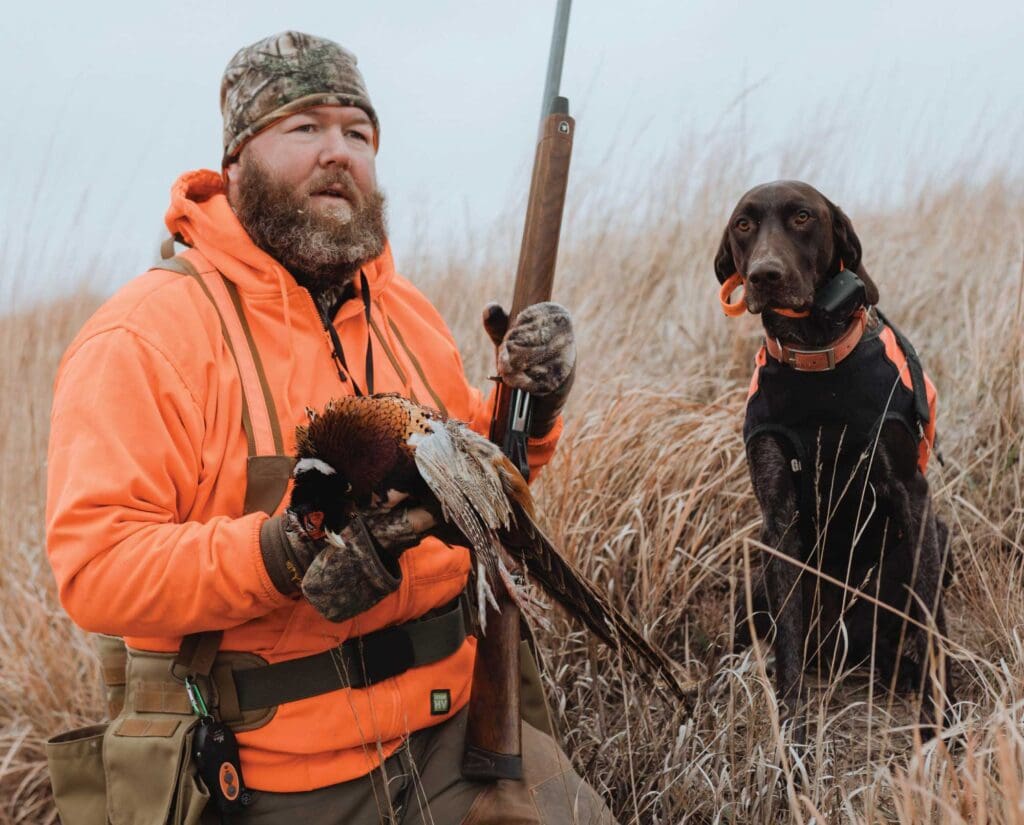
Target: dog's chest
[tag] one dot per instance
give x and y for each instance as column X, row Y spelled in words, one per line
column 831, row 415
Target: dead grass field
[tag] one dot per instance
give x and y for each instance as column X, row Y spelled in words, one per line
column 649, row 494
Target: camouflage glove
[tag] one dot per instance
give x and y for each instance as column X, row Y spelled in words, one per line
column 537, row 353
column 342, row 575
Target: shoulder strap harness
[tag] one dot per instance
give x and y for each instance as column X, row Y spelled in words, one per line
column 268, row 468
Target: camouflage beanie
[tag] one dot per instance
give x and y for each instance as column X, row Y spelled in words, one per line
column 284, row 74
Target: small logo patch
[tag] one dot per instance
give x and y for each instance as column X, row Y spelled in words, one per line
column 440, row 702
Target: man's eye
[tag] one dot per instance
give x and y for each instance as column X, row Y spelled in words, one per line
column 358, row 136
column 305, row 128
column 743, row 224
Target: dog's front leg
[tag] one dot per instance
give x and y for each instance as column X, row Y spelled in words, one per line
column 777, row 495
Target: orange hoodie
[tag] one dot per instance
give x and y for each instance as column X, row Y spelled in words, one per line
column 147, row 470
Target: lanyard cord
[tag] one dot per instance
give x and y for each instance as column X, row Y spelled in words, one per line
column 365, row 285
column 339, row 353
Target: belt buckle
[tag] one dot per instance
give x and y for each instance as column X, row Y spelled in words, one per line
column 384, row 654
column 830, row 359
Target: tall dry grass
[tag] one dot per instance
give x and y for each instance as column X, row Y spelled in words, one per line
column 649, row 494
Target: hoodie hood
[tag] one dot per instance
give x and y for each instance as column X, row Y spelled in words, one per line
column 201, row 217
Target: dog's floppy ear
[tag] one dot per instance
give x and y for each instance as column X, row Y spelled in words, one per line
column 724, row 264
column 847, row 249
column 844, row 239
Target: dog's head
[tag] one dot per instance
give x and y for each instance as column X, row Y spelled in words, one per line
column 786, row 239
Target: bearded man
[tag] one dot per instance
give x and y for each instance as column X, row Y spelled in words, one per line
column 173, row 422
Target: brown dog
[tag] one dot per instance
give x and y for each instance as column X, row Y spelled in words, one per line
column 840, row 423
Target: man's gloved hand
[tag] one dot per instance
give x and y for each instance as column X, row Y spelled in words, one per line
column 537, row 353
column 342, row 575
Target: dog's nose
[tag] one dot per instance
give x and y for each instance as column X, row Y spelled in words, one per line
column 763, row 275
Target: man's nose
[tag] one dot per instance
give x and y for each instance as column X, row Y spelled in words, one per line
column 335, row 149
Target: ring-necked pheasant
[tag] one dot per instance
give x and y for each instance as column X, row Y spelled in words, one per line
column 361, row 450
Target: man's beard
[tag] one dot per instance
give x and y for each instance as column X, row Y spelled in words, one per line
column 320, row 249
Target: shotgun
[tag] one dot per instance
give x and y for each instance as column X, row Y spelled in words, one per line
column 493, row 748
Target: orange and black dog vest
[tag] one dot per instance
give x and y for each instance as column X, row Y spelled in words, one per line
column 837, row 414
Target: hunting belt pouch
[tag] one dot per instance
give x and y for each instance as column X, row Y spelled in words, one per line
column 138, row 769
column 147, row 749
column 75, row 758
column 75, row 762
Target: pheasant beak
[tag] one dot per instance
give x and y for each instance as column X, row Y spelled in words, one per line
column 313, row 525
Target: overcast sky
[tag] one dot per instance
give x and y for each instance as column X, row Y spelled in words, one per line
column 107, row 102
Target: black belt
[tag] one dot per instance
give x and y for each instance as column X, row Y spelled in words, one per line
column 357, row 663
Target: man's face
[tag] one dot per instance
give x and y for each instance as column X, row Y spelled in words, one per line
column 305, row 189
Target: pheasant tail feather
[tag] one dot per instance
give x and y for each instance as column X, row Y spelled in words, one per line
column 566, row 585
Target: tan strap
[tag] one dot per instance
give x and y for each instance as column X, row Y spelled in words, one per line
column 439, row 404
column 269, row 415
column 259, row 418
column 167, row 248
column 197, row 653
column 266, row 479
column 263, row 430
column 266, row 435
column 113, row 659
column 820, row 360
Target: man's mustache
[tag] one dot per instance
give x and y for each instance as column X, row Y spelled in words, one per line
column 342, row 182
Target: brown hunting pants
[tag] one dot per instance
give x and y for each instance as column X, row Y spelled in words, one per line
column 421, row 785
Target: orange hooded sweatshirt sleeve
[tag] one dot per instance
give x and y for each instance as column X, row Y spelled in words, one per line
column 147, row 476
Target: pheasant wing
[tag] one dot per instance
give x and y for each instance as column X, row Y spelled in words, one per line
column 458, row 467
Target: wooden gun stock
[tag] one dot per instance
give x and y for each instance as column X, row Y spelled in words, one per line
column 493, row 748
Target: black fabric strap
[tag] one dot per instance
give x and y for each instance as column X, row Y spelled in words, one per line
column 365, row 286
column 357, row 663
column 339, row 354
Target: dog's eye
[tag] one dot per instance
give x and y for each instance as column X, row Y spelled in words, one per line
column 801, row 217
column 743, row 224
